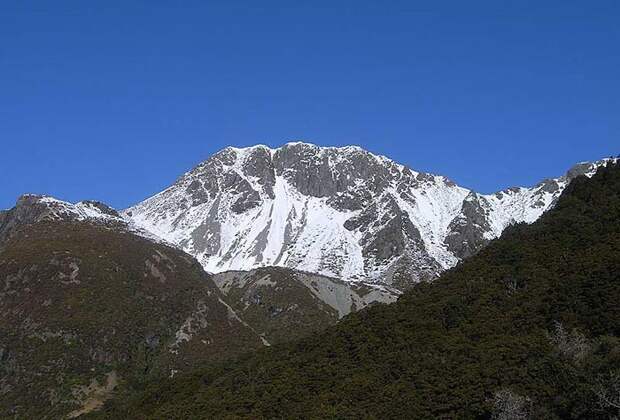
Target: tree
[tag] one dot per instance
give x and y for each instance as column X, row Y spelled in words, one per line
column 573, row 345
column 510, row 406
column 607, row 390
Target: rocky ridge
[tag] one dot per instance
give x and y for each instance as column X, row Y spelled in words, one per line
column 336, row 211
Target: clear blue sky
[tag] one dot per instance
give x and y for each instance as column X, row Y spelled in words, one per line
column 113, row 100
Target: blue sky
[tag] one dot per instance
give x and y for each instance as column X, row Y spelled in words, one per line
column 114, row 100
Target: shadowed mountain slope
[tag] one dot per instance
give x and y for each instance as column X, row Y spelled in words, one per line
column 84, row 308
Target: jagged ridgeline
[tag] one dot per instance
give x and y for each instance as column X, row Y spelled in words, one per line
column 527, row 327
column 341, row 212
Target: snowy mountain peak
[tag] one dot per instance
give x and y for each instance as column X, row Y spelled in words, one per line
column 34, row 208
column 49, row 208
column 336, row 211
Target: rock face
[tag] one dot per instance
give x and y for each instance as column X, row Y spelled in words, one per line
column 32, row 208
column 340, row 212
column 282, row 304
column 84, row 308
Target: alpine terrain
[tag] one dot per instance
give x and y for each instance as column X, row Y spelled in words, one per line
column 259, row 247
column 528, row 328
column 336, row 211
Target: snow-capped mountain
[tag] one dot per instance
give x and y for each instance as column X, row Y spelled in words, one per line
column 337, row 211
column 32, row 208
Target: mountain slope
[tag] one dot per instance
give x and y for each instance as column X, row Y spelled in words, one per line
column 530, row 323
column 72, row 275
column 87, row 306
column 340, row 212
column 282, row 304
column 32, row 208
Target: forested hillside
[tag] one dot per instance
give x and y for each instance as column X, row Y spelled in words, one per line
column 84, row 308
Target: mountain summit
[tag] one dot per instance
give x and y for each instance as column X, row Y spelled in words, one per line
column 337, row 211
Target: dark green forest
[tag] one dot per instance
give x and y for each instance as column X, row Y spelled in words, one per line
column 527, row 328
